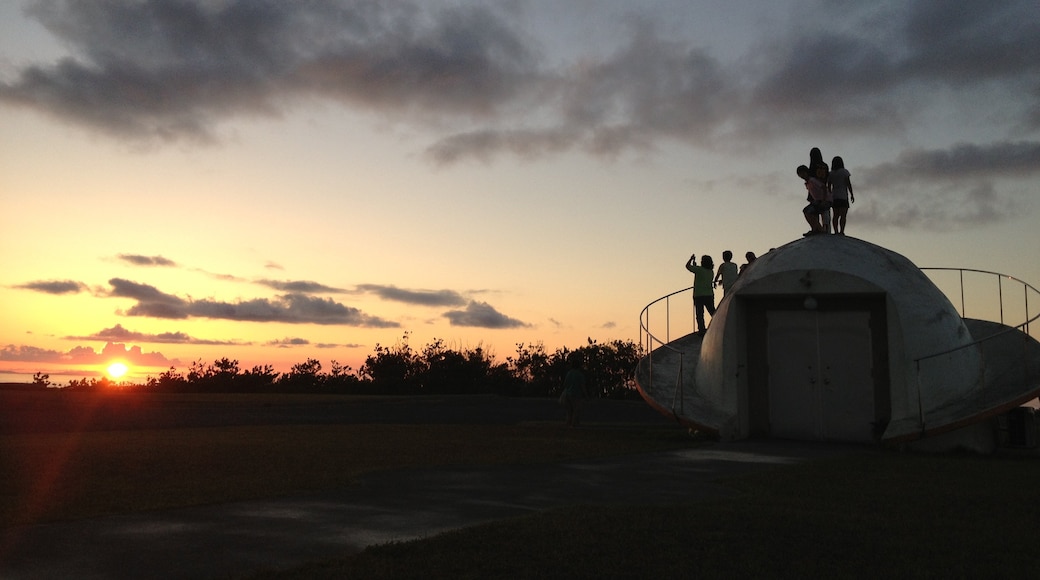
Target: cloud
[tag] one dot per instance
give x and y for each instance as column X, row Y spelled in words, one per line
column 482, row 315
column 300, row 286
column 289, row 308
column 291, row 342
column 138, row 260
column 56, row 287
column 120, row 334
column 150, row 301
column 288, row 342
column 886, row 56
column 939, row 188
column 164, row 70
column 158, row 71
column 85, row 355
column 959, row 162
column 418, row 297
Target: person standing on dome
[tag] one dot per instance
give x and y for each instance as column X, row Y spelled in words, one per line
column 839, row 183
column 750, row 257
column 703, row 292
column 727, row 273
column 816, row 165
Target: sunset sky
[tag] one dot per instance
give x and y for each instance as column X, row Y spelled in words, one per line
column 275, row 181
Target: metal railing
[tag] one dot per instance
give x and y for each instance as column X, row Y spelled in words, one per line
column 650, row 342
column 982, row 310
column 1000, row 281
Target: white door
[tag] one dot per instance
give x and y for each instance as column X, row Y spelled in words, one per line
column 847, row 381
column 820, row 378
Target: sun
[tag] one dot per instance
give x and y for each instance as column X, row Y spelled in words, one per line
column 117, row 370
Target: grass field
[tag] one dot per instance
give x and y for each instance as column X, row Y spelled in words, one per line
column 59, row 476
column 880, row 515
column 877, row 514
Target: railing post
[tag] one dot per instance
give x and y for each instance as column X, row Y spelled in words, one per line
column 1025, row 291
column 693, row 311
column 1000, row 296
column 963, row 313
column 668, row 319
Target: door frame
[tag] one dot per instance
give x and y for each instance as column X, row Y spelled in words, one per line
column 755, row 315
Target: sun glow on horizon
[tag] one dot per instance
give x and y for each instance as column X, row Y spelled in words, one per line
column 117, row 370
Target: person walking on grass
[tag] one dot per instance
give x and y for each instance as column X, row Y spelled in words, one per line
column 575, row 389
column 703, row 293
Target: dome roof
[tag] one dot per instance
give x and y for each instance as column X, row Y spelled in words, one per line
column 892, row 354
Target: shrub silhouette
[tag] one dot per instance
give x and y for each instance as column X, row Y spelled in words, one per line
column 401, row 370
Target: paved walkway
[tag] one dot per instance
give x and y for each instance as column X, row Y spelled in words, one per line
column 230, row 540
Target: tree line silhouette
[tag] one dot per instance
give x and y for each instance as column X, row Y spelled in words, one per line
column 402, row 370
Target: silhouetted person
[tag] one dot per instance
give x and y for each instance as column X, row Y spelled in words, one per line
column 727, row 272
column 817, row 191
column 750, row 257
column 839, row 182
column 703, row 293
column 816, row 163
column 574, row 390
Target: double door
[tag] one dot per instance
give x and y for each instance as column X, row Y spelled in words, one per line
column 820, row 378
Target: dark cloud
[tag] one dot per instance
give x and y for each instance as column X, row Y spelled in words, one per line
column 482, row 315
column 289, row 342
column 965, row 42
column 150, row 301
column 941, row 188
column 289, row 308
column 300, row 286
column 167, row 70
column 53, row 286
column 650, row 89
column 418, row 297
column 155, row 69
column 119, row 334
column 887, row 60
column 26, row 353
column 485, row 144
column 84, row 355
column 959, row 162
column 138, row 260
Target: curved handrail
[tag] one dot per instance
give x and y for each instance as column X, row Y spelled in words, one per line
column 1023, row 327
column 651, row 340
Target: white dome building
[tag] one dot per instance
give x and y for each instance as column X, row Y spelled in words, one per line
column 833, row 338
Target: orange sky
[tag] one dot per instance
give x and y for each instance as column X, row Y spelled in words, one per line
column 322, row 178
